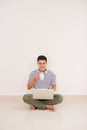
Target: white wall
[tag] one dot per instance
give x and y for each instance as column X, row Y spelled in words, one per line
column 55, row 28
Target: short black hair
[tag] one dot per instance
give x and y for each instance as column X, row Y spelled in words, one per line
column 42, row 57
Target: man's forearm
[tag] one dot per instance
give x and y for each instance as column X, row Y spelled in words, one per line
column 31, row 84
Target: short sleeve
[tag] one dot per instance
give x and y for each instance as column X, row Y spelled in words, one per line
column 31, row 76
column 53, row 81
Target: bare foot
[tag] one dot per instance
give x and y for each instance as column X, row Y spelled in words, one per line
column 33, row 108
column 51, row 107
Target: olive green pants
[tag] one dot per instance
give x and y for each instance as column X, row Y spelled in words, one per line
column 41, row 104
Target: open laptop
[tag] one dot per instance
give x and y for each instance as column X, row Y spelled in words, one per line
column 42, row 93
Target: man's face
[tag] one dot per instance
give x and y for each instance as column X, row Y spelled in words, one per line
column 42, row 65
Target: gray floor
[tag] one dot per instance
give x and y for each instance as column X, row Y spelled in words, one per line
column 70, row 115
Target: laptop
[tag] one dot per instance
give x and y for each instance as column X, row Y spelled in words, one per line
column 42, row 93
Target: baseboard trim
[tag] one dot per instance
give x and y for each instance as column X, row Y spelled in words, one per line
column 66, row 98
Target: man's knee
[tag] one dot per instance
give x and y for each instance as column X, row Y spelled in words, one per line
column 26, row 98
column 58, row 98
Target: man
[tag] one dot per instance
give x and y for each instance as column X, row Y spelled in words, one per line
column 49, row 82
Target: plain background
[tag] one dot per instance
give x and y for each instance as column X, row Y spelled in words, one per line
column 55, row 28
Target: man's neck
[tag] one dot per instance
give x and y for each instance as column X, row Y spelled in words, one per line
column 43, row 70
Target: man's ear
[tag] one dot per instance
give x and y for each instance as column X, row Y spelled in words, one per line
column 37, row 62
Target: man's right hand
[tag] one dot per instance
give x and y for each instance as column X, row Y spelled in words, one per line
column 37, row 77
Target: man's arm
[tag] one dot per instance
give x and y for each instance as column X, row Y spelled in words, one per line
column 54, row 87
column 31, row 84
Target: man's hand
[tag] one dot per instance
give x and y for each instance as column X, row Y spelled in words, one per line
column 54, row 87
column 37, row 77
